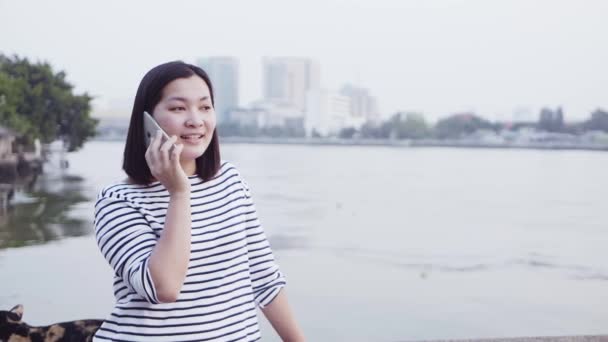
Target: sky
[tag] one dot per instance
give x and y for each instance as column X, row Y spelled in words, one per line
column 501, row 59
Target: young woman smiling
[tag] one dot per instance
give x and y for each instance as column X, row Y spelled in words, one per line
column 191, row 261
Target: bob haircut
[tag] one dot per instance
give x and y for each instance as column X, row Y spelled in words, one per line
column 148, row 96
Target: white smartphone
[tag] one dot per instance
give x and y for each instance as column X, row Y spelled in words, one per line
column 150, row 128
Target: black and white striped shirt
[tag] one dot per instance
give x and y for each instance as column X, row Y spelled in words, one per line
column 231, row 267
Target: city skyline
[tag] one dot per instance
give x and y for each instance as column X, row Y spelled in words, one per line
column 501, row 60
column 288, row 79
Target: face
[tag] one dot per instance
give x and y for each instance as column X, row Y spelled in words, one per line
column 185, row 110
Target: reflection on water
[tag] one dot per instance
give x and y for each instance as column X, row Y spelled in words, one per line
column 437, row 263
column 39, row 211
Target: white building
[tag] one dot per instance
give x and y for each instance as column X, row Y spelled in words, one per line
column 363, row 105
column 287, row 80
column 328, row 112
column 277, row 113
column 247, row 116
column 267, row 114
column 224, row 75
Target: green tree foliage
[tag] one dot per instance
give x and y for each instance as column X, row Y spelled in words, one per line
column 460, row 125
column 551, row 121
column 11, row 95
column 347, row 133
column 598, row 121
column 36, row 102
column 407, row 126
column 234, row 129
column 369, row 130
column 399, row 126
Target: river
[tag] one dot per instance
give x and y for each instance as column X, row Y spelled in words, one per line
column 378, row 243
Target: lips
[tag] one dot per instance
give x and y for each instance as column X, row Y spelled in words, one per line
column 192, row 137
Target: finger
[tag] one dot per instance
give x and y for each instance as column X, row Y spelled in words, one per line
column 164, row 151
column 176, row 153
column 152, row 165
column 169, row 143
column 156, row 141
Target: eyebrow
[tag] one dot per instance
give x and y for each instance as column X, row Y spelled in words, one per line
column 183, row 99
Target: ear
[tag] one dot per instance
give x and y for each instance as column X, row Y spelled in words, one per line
column 16, row 314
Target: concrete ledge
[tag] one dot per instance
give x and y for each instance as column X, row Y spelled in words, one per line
column 584, row 338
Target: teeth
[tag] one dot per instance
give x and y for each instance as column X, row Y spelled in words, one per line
column 192, row 136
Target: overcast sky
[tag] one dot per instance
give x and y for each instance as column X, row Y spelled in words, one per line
column 435, row 57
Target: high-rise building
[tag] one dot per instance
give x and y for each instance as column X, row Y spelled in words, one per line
column 288, row 79
column 363, row 105
column 224, row 75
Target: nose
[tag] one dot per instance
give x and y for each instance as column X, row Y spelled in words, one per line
column 195, row 120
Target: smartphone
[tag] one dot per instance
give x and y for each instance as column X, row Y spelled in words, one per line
column 150, row 128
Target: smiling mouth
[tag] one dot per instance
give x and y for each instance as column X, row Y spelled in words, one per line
column 192, row 137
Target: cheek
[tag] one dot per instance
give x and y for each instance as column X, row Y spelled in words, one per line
column 167, row 124
column 212, row 125
column 212, row 121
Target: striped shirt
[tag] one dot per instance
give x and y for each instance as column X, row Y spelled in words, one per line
column 230, row 272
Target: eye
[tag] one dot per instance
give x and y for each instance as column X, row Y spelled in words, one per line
column 177, row 108
column 206, row 108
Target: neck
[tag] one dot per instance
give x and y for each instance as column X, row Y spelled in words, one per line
column 189, row 167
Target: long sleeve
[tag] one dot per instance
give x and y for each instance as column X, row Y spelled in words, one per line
column 126, row 241
column 266, row 277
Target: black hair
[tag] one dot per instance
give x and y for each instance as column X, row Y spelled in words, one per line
column 148, row 96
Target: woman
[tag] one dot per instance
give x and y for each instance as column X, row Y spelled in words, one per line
column 190, row 259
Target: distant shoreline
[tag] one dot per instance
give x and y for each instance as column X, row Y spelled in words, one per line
column 416, row 143
column 406, row 143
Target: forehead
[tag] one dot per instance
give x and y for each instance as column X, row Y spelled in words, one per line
column 193, row 88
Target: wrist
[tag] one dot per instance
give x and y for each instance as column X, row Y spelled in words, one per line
column 180, row 194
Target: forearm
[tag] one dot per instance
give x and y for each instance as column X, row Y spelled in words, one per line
column 169, row 260
column 281, row 318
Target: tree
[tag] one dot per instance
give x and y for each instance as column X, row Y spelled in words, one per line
column 371, row 130
column 11, row 95
column 407, row 126
column 551, row 121
column 598, row 121
column 460, row 125
column 39, row 103
column 347, row 133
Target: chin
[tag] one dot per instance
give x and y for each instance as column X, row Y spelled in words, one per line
column 190, row 153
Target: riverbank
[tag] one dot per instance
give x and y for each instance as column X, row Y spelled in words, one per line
column 17, row 170
column 594, row 338
column 416, row 143
column 16, row 166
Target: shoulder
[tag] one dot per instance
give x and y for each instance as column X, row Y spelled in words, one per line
column 228, row 169
column 125, row 190
column 227, row 165
column 113, row 189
